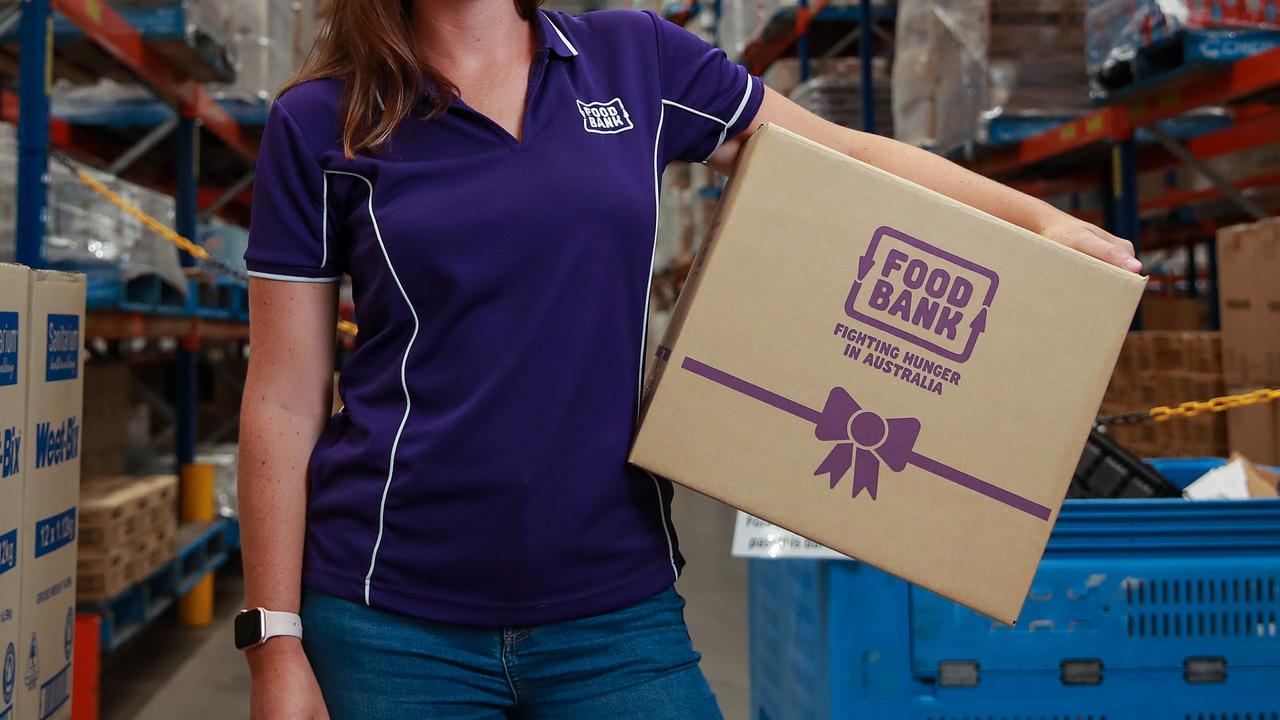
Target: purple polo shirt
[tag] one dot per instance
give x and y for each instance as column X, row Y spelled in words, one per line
column 478, row 472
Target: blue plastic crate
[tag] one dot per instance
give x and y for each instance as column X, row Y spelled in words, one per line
column 1146, row 592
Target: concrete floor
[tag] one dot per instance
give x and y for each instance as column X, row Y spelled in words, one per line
column 172, row 672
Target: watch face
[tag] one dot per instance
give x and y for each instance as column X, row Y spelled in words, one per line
column 248, row 628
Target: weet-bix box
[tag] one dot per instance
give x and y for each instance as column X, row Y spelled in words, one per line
column 895, row 375
column 14, row 289
column 51, row 448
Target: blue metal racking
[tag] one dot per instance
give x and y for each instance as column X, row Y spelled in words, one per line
column 146, row 52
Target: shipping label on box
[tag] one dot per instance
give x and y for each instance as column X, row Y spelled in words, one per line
column 14, row 289
column 52, row 458
column 894, row 375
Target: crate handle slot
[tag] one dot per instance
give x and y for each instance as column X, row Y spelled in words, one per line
column 1081, row 672
column 1204, row 669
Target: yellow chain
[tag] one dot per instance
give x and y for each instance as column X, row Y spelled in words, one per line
column 155, row 225
column 1215, row 405
column 165, row 232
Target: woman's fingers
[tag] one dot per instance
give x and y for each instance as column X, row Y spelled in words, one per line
column 1099, row 243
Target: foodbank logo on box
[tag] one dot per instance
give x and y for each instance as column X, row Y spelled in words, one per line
column 922, row 294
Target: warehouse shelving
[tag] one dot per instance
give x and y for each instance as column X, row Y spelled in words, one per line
column 1110, row 146
column 180, row 141
column 100, row 133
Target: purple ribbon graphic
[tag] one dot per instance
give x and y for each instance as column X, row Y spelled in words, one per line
column 864, row 440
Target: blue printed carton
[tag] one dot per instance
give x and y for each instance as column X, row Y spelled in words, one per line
column 51, row 461
column 14, row 298
column 882, row 370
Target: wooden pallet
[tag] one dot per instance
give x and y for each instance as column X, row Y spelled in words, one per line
column 201, row 549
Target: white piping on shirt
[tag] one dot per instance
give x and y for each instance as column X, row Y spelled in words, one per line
column 725, row 125
column 293, row 278
column 644, row 332
column 746, row 95
column 572, row 50
column 404, row 361
column 324, row 222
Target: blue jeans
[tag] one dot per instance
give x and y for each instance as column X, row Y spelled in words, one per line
column 635, row 663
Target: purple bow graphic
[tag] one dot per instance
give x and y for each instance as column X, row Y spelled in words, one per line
column 865, row 440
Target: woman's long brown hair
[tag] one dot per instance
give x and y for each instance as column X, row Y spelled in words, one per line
column 369, row 45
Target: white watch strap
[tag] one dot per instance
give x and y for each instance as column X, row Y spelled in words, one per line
column 277, row 624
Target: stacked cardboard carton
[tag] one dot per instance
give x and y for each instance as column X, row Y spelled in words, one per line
column 1249, row 296
column 128, row 529
column 51, row 455
column 14, row 297
column 1167, row 368
column 962, row 63
column 105, row 427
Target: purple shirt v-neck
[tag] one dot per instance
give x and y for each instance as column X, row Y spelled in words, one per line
column 478, row 472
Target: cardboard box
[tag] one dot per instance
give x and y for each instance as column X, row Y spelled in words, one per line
column 105, row 405
column 1238, row 479
column 52, row 456
column 792, row 359
column 14, row 298
column 128, row 527
column 1249, row 297
column 1254, row 432
column 1160, row 312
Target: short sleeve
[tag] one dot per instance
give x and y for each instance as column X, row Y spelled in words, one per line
column 289, row 233
column 706, row 97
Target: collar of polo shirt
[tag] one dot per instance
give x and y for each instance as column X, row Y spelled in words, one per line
column 551, row 37
column 548, row 36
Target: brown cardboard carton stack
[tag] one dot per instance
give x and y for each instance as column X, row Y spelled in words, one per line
column 51, row 446
column 128, row 529
column 1163, row 312
column 884, row 370
column 1168, row 368
column 106, row 407
column 14, row 337
column 1249, row 296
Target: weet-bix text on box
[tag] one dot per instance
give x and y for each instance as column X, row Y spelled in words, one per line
column 14, row 289
column 900, row 377
column 51, row 447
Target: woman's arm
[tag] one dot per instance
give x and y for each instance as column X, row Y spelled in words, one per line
column 936, row 173
column 287, row 399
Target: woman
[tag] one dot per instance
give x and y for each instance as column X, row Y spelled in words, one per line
column 471, row 540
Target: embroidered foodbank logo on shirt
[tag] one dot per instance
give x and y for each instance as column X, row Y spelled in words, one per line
column 911, row 296
column 605, row 118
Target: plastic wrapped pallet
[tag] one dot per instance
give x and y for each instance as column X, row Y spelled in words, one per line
column 263, row 43
column 85, row 230
column 208, row 18
column 1117, row 29
column 964, row 63
column 835, row 92
column 742, row 21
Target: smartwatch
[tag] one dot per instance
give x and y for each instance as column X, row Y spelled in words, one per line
column 258, row 625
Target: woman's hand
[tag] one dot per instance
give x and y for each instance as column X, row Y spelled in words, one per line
column 283, row 684
column 1092, row 240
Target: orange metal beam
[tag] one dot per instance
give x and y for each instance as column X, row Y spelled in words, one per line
column 1240, row 80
